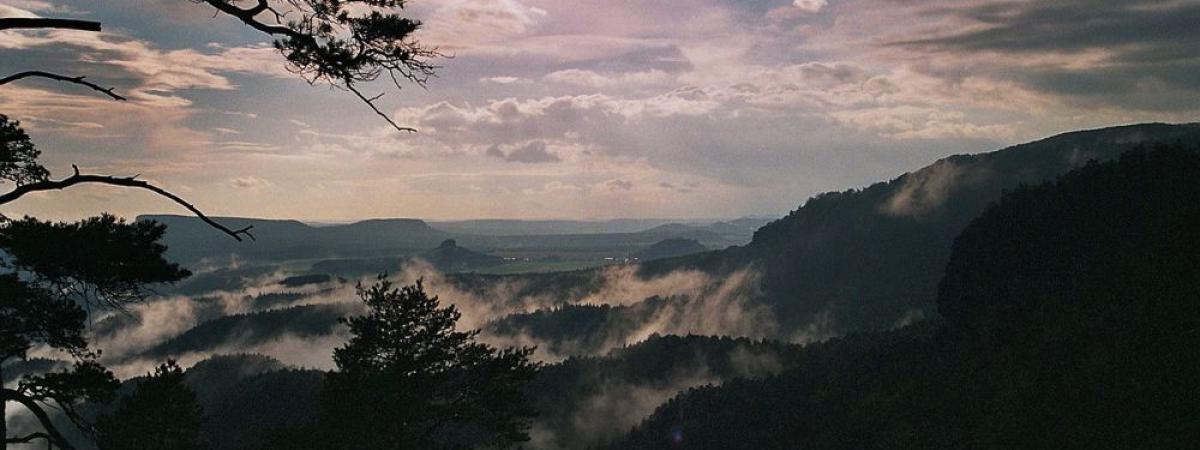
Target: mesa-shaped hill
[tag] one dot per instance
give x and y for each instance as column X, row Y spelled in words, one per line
column 190, row 240
column 449, row 257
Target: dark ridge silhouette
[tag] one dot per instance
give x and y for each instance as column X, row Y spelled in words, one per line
column 514, row 227
column 449, row 257
column 278, row 240
column 212, row 378
column 286, row 398
column 160, row 412
column 582, row 400
column 1069, row 322
column 670, row 248
column 358, row 267
column 383, row 239
column 867, row 258
column 283, row 400
column 580, row 330
column 241, row 330
column 305, row 280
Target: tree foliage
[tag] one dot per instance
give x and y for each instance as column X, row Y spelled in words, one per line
column 34, row 315
column 99, row 259
column 49, row 270
column 18, row 156
column 1070, row 321
column 161, row 413
column 341, row 42
column 408, row 379
column 53, row 269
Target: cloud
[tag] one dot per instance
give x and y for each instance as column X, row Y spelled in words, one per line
column 758, row 104
column 680, row 302
column 619, row 185
column 810, row 6
column 476, row 25
column 925, row 190
column 532, row 153
column 249, row 182
column 1122, row 54
column 151, row 75
column 504, row 80
column 625, row 80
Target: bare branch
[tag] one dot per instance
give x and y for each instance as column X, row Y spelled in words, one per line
column 10, row 23
column 27, row 439
column 248, row 17
column 371, row 103
column 132, row 182
column 53, row 76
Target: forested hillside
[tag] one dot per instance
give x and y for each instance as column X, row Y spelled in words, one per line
column 870, row 259
column 1070, row 321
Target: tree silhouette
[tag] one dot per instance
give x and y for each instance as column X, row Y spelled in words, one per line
column 324, row 41
column 50, row 269
column 161, row 413
column 327, row 42
column 35, row 315
column 408, row 379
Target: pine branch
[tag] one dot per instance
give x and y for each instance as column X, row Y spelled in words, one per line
column 132, row 182
column 54, row 435
column 53, row 76
column 10, row 23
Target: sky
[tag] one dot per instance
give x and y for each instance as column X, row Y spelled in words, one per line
column 588, row 109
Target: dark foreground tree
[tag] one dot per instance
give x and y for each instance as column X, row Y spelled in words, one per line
column 33, row 315
column 50, row 269
column 161, row 413
column 343, row 43
column 408, row 379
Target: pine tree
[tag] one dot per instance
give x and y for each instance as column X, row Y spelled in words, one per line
column 408, row 379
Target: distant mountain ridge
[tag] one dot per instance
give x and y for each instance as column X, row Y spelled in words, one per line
column 871, row 258
column 670, row 248
column 518, row 227
column 189, row 240
column 861, row 259
column 1068, row 320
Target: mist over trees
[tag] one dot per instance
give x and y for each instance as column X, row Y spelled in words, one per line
column 408, row 377
column 869, row 258
column 1069, row 321
column 978, row 304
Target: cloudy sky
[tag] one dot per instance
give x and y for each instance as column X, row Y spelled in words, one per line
column 589, row 108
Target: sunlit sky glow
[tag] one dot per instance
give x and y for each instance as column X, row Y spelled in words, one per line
column 586, row 109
